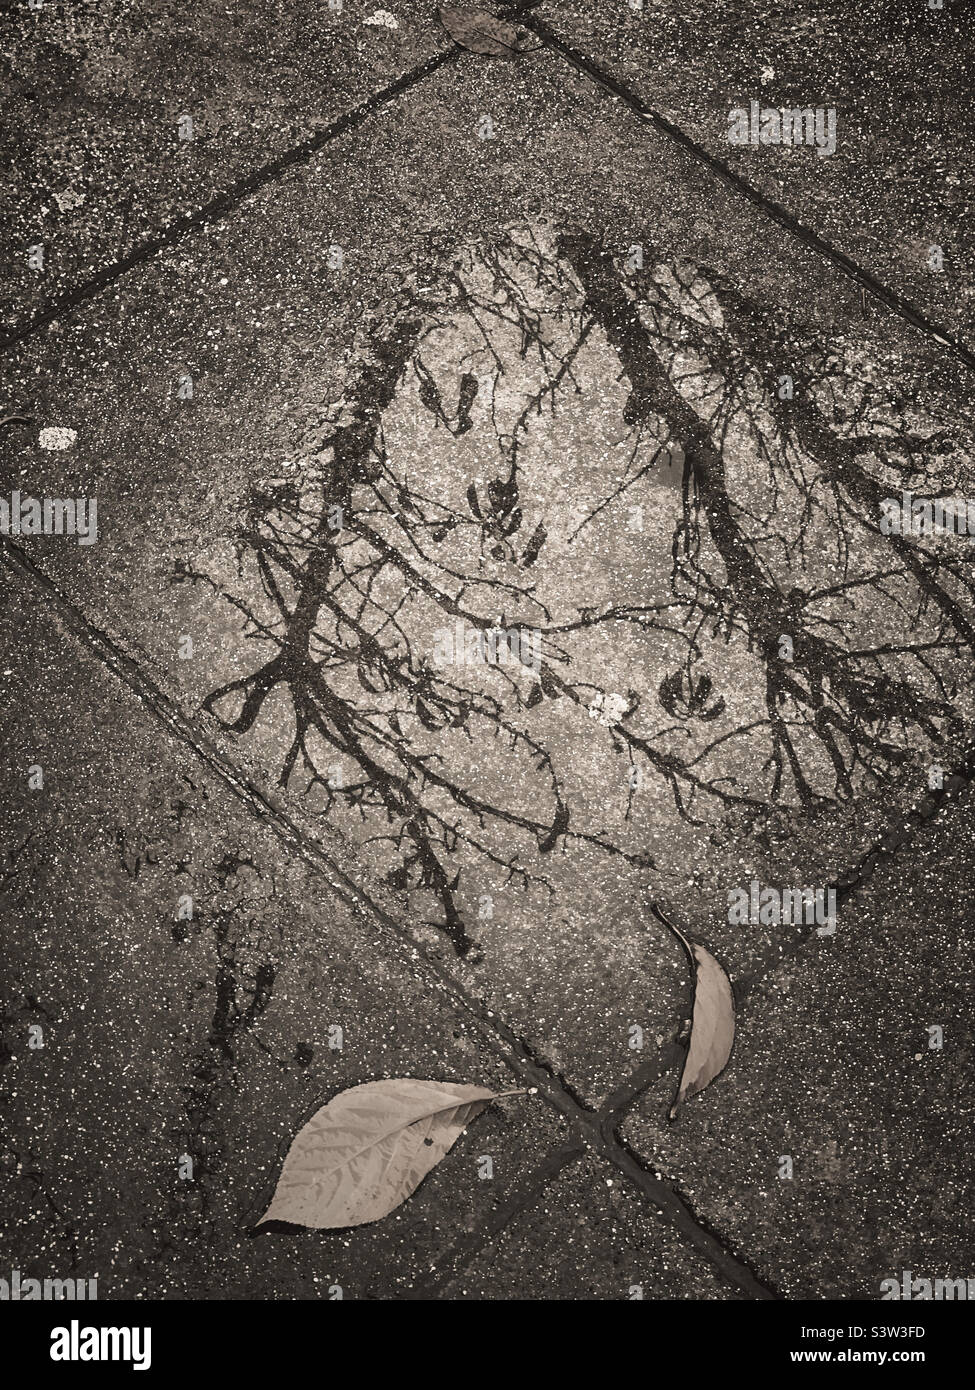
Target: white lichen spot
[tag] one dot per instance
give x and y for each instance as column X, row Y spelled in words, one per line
column 68, row 200
column 382, row 19
column 608, row 709
column 57, row 437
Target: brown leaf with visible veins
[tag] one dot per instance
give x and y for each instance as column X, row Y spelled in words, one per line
column 713, row 1023
column 369, row 1148
column 480, row 31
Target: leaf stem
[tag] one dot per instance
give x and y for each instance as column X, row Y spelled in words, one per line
column 679, row 934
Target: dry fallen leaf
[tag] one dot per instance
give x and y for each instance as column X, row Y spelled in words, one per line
column 364, row 1152
column 480, row 31
column 713, row 1022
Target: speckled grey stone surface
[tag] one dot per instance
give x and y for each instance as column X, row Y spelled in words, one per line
column 533, row 351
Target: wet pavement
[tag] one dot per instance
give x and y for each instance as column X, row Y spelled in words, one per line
column 488, row 547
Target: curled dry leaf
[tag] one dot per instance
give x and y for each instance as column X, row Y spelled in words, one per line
column 364, row 1152
column 712, row 1024
column 480, row 31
